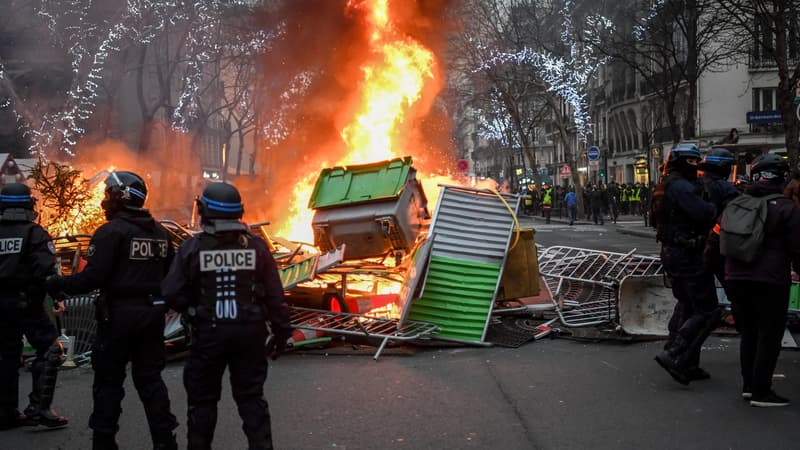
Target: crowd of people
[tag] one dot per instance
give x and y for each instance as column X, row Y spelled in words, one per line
column 600, row 201
column 223, row 280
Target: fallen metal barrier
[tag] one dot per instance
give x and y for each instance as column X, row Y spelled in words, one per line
column 584, row 284
column 360, row 325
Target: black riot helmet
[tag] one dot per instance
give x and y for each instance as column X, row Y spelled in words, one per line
column 770, row 167
column 16, row 195
column 124, row 190
column 718, row 161
column 16, row 203
column 684, row 159
column 220, row 208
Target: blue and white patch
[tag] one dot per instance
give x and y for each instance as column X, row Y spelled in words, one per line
column 51, row 247
column 211, row 260
column 9, row 246
column 90, row 251
column 143, row 249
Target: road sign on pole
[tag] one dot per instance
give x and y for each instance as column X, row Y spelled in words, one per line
column 593, row 153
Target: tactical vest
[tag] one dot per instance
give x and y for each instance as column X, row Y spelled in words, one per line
column 14, row 243
column 228, row 288
column 671, row 223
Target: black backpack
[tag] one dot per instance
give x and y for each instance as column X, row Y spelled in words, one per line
column 742, row 226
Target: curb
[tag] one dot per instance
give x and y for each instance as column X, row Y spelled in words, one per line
column 640, row 233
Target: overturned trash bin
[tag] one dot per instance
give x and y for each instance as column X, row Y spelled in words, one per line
column 375, row 209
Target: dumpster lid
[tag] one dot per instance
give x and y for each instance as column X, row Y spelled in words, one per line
column 349, row 185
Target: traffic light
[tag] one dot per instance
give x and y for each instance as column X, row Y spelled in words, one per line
column 602, row 174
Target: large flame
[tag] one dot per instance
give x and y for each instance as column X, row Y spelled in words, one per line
column 393, row 77
column 83, row 218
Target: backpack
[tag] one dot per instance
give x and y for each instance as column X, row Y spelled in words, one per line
column 742, row 226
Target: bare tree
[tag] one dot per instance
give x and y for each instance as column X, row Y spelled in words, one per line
column 772, row 34
column 505, row 100
column 670, row 44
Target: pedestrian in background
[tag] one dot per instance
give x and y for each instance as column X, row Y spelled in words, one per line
column 613, row 201
column 683, row 220
column 226, row 283
column 127, row 258
column 596, row 205
column 792, row 189
column 571, row 200
column 547, row 202
column 27, row 258
column 731, row 138
column 760, row 289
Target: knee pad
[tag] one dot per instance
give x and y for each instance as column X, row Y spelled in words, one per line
column 54, row 354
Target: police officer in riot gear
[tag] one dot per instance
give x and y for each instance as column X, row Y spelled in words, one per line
column 126, row 260
column 227, row 284
column 716, row 167
column 683, row 220
column 27, row 257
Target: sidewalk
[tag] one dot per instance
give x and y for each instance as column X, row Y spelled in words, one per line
column 626, row 224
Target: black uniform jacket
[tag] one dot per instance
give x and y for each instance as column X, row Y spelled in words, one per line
column 181, row 287
column 127, row 258
column 27, row 256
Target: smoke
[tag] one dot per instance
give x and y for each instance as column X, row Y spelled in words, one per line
column 328, row 39
column 310, row 91
column 173, row 175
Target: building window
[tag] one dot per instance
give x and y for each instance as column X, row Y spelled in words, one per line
column 766, row 41
column 765, row 99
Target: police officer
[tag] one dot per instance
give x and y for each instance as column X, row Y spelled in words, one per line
column 716, row 167
column 226, row 281
column 683, row 221
column 27, row 257
column 126, row 260
column 760, row 288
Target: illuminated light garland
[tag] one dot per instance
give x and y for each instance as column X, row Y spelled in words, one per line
column 640, row 28
column 566, row 76
column 70, row 27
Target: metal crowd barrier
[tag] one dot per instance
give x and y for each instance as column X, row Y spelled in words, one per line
column 584, row 283
column 360, row 325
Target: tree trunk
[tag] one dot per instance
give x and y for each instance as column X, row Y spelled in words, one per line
column 691, row 67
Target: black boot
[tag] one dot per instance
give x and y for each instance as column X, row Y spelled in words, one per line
column 104, row 441
column 165, row 442
column 45, row 373
column 45, row 417
column 670, row 360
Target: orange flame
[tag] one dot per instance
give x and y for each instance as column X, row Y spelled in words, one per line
column 393, row 79
column 82, row 218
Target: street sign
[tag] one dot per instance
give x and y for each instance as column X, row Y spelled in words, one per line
column 593, row 153
column 462, row 165
column 594, row 164
column 565, row 170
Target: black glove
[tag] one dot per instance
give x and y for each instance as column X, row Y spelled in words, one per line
column 275, row 346
column 55, row 286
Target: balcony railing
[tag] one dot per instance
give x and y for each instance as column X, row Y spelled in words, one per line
column 760, row 61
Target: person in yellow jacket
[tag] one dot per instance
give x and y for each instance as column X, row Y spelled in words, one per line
column 635, row 199
column 527, row 199
column 547, row 202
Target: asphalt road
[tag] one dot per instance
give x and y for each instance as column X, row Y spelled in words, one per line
column 549, row 394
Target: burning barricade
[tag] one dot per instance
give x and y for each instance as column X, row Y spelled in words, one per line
column 383, row 269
